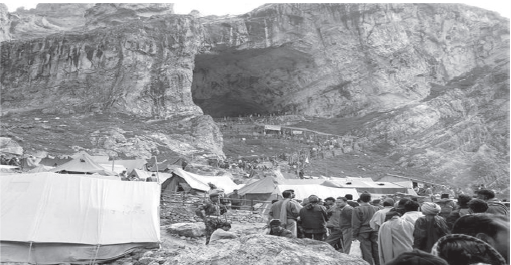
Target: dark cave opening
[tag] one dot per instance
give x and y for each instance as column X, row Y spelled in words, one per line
column 233, row 83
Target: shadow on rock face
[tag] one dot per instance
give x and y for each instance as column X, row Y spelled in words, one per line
column 265, row 249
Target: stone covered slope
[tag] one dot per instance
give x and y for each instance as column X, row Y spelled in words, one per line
column 340, row 59
column 460, row 135
column 265, row 249
column 142, row 68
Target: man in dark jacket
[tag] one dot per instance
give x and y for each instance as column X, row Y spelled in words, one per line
column 494, row 206
column 362, row 230
column 447, row 205
column 314, row 218
column 460, row 211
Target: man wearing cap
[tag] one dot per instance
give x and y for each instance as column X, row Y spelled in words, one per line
column 287, row 211
column 235, row 200
column 277, row 230
column 379, row 217
column 211, row 211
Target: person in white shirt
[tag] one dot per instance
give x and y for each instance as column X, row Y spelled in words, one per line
column 222, row 233
column 379, row 217
column 412, row 212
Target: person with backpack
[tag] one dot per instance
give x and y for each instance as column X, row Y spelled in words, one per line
column 446, row 205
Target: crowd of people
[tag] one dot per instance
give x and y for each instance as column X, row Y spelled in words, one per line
column 472, row 230
column 13, row 161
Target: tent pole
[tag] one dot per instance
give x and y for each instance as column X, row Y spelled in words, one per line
column 156, row 163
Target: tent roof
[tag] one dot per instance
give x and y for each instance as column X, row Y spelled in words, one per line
column 117, row 168
column 40, row 168
column 55, row 208
column 302, row 181
column 365, row 185
column 304, row 191
column 264, row 185
column 83, row 163
column 130, row 164
column 141, row 173
column 199, row 182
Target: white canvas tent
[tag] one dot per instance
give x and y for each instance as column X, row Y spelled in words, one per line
column 197, row 183
column 50, row 218
column 304, row 191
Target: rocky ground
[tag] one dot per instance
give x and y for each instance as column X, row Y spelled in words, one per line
column 175, row 248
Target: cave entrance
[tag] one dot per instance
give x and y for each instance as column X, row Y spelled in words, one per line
column 233, row 83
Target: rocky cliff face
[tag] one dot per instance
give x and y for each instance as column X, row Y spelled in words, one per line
column 142, row 67
column 340, row 59
column 434, row 78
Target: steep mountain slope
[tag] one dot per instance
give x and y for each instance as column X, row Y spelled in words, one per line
column 425, row 85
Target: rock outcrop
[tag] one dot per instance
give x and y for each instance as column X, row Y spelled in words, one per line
column 113, row 14
column 340, row 59
column 46, row 19
column 265, row 249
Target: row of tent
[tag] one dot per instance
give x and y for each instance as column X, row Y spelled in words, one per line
column 83, row 163
column 271, row 187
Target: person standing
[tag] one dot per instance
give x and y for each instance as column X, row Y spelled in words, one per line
column 345, row 224
column 333, row 224
column 362, row 230
column 211, row 211
column 394, row 237
column 379, row 217
column 429, row 228
column 412, row 212
column 494, row 206
column 460, row 211
column 287, row 211
column 351, row 202
column 235, row 200
column 314, row 218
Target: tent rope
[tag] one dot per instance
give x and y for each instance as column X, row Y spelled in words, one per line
column 29, row 252
column 95, row 255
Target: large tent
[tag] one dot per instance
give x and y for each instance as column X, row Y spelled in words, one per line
column 50, row 218
column 260, row 190
column 304, row 191
column 84, row 164
column 366, row 185
column 185, row 181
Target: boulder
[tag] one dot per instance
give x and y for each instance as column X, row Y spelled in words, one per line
column 187, row 229
column 264, row 249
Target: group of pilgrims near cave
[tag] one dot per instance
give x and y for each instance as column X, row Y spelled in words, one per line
column 471, row 229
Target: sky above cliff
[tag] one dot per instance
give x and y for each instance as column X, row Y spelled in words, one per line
column 238, row 7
